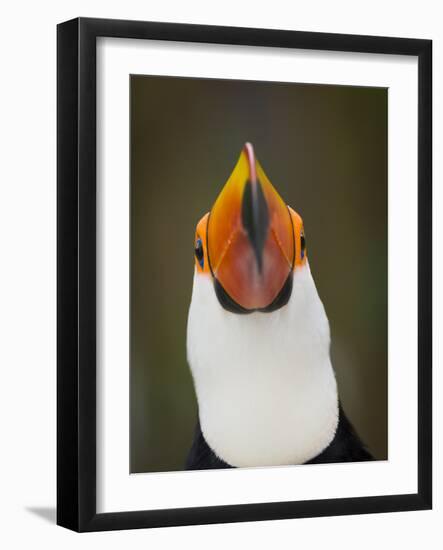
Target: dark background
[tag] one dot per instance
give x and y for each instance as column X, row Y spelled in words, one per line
column 325, row 150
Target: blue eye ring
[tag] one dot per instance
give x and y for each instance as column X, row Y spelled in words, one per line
column 199, row 254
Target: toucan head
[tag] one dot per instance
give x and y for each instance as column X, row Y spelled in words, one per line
column 250, row 242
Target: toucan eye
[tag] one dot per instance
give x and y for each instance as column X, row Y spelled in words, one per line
column 302, row 245
column 199, row 252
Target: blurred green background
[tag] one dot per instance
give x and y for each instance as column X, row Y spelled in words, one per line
column 325, row 149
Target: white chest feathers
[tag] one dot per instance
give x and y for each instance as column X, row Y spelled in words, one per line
column 265, row 385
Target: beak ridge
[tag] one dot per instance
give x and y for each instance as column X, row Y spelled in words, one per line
column 255, row 218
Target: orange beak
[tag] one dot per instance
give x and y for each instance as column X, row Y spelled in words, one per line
column 250, row 238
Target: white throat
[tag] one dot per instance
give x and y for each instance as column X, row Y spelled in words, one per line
column 265, row 385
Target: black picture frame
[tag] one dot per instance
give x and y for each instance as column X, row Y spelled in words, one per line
column 76, row 273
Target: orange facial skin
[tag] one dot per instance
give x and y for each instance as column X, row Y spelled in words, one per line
column 200, row 234
column 250, row 241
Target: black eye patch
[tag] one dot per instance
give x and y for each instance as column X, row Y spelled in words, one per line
column 302, row 245
column 199, row 252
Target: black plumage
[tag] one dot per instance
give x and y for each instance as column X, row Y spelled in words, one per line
column 345, row 447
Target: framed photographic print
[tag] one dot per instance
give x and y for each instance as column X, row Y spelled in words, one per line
column 244, row 274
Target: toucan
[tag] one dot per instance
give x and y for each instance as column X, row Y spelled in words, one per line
column 258, row 338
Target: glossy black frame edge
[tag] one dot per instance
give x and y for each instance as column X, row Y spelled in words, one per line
column 76, row 274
